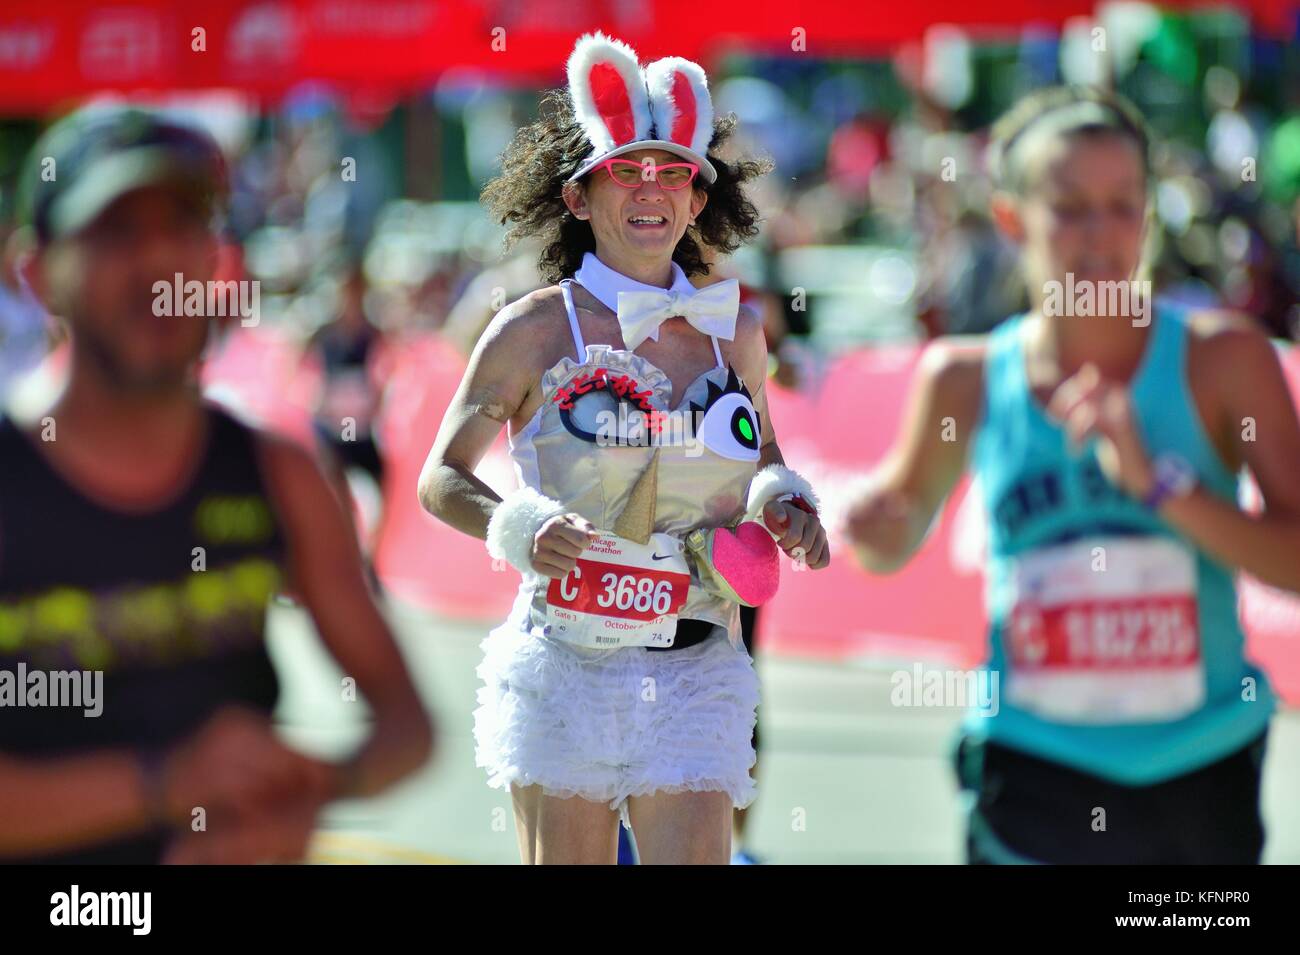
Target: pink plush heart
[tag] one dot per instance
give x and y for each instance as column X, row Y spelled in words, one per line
column 748, row 561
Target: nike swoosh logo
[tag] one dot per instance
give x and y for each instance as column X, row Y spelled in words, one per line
column 660, row 556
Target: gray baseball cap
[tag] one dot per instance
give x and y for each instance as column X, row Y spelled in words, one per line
column 91, row 158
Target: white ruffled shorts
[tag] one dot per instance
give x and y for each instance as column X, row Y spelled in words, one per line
column 609, row 724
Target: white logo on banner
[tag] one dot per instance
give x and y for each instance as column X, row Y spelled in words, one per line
column 264, row 34
column 121, row 45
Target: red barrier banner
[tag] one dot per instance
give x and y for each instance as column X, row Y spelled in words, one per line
column 833, row 431
column 51, row 53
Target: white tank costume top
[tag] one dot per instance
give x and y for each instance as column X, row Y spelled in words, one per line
column 707, row 452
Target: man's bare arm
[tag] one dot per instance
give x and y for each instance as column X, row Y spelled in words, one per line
column 327, row 573
column 44, row 807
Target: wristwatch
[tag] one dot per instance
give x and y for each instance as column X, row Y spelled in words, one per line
column 1174, row 477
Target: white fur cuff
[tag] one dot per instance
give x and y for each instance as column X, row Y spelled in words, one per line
column 515, row 523
column 773, row 481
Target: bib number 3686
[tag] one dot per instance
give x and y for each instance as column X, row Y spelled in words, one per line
column 626, row 592
column 620, row 593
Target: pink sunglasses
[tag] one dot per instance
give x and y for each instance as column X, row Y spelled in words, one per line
column 630, row 175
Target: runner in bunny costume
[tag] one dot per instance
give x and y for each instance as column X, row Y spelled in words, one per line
column 653, row 498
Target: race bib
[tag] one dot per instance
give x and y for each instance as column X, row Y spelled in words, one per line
column 620, row 594
column 1105, row 631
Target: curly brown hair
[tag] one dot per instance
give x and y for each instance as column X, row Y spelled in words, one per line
column 528, row 195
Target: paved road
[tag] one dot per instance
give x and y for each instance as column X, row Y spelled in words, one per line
column 845, row 776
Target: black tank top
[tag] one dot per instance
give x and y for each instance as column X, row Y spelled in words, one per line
column 169, row 604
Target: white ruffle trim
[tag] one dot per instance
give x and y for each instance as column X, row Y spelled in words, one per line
column 606, row 725
column 773, row 481
column 515, row 522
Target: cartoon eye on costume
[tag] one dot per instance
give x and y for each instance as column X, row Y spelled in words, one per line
column 727, row 423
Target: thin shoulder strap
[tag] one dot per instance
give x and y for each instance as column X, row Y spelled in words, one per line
column 573, row 319
column 717, row 352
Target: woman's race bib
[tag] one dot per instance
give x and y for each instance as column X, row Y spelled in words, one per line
column 620, row 594
column 1105, row 631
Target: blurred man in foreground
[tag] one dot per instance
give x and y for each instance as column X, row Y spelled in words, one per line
column 142, row 533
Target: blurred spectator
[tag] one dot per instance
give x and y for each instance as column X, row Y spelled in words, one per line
column 348, row 350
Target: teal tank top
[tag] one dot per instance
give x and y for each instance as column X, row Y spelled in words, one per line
column 1114, row 642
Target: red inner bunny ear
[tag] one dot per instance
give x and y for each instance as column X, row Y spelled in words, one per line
column 684, row 100
column 611, row 99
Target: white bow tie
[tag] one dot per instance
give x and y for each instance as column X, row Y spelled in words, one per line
column 711, row 310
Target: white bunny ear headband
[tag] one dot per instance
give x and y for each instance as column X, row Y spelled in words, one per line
column 623, row 107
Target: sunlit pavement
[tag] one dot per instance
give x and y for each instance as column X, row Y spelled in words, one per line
column 845, row 777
